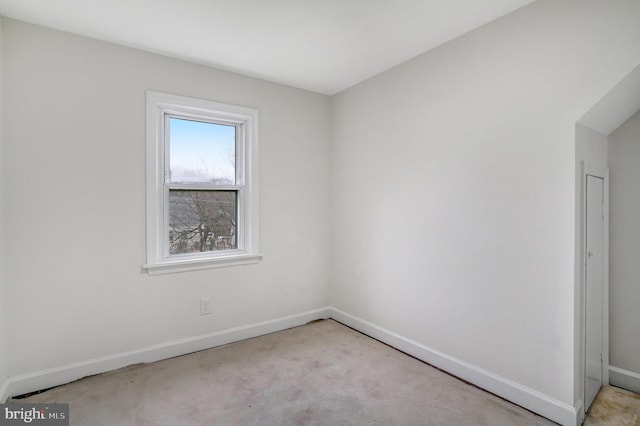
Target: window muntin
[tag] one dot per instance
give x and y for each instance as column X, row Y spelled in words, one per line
column 202, row 198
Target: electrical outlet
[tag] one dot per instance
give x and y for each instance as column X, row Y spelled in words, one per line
column 206, row 306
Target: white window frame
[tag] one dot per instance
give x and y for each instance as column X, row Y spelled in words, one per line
column 160, row 106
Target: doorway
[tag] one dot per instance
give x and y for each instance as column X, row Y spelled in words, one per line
column 595, row 283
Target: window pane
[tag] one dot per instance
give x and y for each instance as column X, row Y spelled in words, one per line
column 201, row 152
column 201, row 221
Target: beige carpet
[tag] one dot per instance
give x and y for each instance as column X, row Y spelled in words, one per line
column 320, row 374
column 614, row 406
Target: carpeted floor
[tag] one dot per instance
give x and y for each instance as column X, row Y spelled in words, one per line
column 614, row 406
column 322, row 373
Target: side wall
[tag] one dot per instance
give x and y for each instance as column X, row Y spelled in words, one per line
column 624, row 287
column 591, row 147
column 454, row 189
column 74, row 202
column 4, row 347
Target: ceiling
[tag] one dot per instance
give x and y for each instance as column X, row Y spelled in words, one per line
column 320, row 45
column 616, row 107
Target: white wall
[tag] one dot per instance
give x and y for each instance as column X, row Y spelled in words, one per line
column 591, row 149
column 624, row 288
column 74, row 202
column 4, row 350
column 454, row 188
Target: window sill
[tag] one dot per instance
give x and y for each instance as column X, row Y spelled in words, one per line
column 172, row 266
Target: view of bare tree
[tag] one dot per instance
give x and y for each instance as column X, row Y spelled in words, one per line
column 201, row 221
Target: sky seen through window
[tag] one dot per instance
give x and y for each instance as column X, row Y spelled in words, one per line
column 201, row 152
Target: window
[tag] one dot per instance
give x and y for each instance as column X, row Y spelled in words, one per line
column 202, row 193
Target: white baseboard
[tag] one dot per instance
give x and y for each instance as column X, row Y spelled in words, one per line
column 4, row 391
column 528, row 398
column 624, row 379
column 44, row 379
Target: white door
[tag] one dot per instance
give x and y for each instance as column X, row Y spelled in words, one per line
column 594, row 291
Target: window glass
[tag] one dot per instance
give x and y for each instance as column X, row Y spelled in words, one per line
column 202, row 221
column 201, row 152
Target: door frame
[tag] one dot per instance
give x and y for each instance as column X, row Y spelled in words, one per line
column 602, row 173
